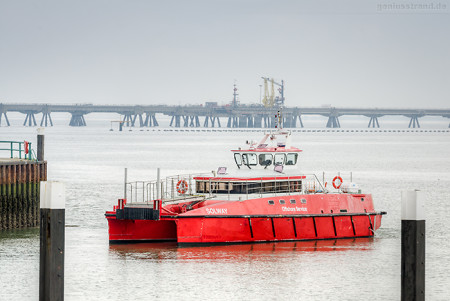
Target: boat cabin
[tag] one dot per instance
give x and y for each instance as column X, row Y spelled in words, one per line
column 270, row 157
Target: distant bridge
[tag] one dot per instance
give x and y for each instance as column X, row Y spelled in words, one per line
column 243, row 116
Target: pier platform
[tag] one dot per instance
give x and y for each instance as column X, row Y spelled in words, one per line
column 19, row 192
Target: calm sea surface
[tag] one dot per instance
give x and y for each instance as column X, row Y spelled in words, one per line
column 91, row 160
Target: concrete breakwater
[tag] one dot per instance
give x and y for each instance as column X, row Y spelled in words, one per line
column 19, row 192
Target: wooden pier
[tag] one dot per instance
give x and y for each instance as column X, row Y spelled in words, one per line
column 20, row 177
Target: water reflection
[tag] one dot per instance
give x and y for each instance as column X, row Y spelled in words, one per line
column 234, row 252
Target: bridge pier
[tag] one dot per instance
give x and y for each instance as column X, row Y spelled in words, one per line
column 213, row 120
column 268, row 121
column 414, row 121
column 6, row 118
column 300, row 121
column 373, row 121
column 243, row 122
column 296, row 116
column 128, row 119
column 30, row 119
column 257, row 121
column 233, row 122
column 191, row 121
column 250, row 121
column 150, row 120
column 333, row 122
column 77, row 119
column 46, row 118
column 177, row 119
column 290, row 121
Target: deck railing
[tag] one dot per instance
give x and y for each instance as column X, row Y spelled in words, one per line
column 17, row 149
column 171, row 188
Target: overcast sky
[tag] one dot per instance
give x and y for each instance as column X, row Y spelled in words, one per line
column 342, row 53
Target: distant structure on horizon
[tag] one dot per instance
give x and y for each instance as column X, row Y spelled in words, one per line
column 237, row 115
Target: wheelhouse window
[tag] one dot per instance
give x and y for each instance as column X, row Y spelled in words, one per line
column 279, row 159
column 249, row 159
column 265, row 159
column 238, row 159
column 291, row 158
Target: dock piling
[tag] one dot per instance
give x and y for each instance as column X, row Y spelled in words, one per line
column 52, row 214
column 413, row 246
column 40, row 146
column 125, row 184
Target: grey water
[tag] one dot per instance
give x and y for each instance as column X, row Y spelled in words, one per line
column 91, row 161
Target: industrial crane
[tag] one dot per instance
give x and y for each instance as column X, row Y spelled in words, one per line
column 269, row 99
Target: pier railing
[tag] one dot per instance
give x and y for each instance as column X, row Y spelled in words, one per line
column 186, row 187
column 17, row 149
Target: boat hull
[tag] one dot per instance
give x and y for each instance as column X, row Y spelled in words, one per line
column 284, row 218
column 210, row 230
column 128, row 231
column 206, row 230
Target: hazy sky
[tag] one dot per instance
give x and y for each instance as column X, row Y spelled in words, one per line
column 343, row 53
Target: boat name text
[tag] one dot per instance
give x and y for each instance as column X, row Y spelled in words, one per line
column 216, row 210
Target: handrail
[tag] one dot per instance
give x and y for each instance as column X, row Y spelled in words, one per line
column 16, row 148
column 146, row 191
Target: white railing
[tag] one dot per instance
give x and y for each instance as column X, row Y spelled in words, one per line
column 172, row 188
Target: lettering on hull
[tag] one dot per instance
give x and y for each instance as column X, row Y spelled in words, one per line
column 216, row 211
column 296, row 209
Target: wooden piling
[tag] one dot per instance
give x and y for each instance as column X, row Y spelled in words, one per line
column 413, row 246
column 40, row 147
column 52, row 232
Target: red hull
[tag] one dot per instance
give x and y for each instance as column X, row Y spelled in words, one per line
column 231, row 222
column 259, row 229
column 141, row 230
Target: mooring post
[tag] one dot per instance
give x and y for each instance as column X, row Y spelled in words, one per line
column 158, row 185
column 51, row 270
column 125, row 185
column 413, row 245
column 40, row 145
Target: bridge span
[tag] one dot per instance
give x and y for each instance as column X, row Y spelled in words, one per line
column 242, row 116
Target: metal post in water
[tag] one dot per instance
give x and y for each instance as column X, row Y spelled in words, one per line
column 125, row 185
column 158, row 180
column 40, row 145
column 413, row 245
column 52, row 222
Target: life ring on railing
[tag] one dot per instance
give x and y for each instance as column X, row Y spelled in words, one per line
column 25, row 144
column 334, row 182
column 182, row 186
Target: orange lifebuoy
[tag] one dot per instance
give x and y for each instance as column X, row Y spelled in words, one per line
column 334, row 182
column 25, row 143
column 182, row 186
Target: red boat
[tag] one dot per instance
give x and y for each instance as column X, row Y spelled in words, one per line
column 265, row 199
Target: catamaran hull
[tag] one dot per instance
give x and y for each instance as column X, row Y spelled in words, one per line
column 128, row 231
column 248, row 229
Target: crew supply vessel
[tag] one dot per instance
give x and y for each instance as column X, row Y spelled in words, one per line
column 265, row 199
